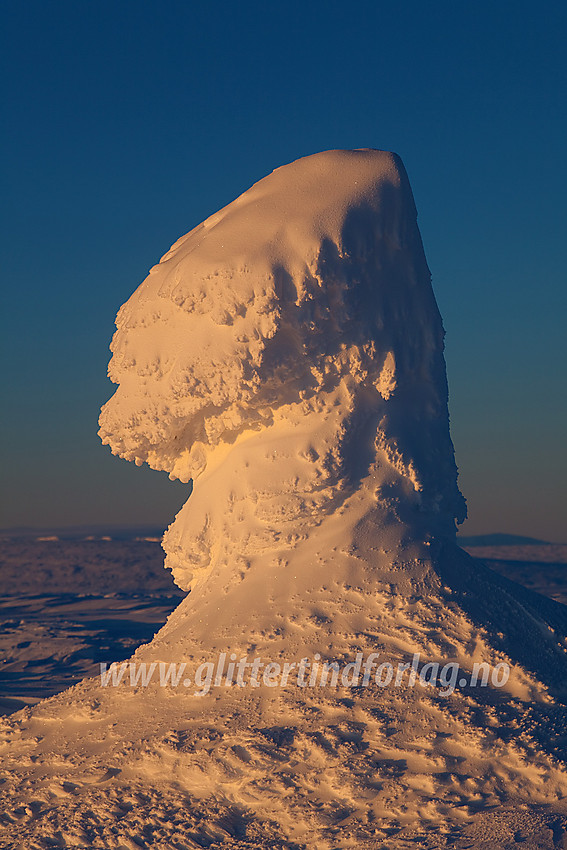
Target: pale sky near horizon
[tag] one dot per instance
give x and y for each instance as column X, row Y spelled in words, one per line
column 129, row 123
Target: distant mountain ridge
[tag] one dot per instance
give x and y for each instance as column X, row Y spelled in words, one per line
column 500, row 540
column 80, row 532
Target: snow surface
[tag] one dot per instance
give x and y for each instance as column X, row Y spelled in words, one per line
column 286, row 356
column 67, row 604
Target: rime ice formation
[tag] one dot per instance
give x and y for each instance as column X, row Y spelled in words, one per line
column 285, row 354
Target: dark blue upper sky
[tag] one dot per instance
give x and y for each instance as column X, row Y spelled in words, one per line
column 127, row 123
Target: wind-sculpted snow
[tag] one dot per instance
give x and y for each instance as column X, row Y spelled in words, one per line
column 300, row 316
column 287, row 356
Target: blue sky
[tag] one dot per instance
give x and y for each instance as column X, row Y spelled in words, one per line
column 130, row 122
